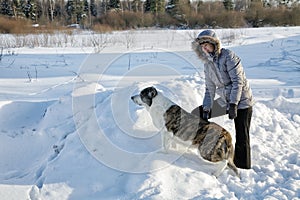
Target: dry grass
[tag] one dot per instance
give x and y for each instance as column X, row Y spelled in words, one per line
column 102, row 28
column 208, row 14
column 10, row 25
column 23, row 26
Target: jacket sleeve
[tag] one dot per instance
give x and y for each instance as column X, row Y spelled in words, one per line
column 236, row 75
column 210, row 89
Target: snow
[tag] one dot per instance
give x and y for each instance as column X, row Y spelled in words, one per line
column 68, row 129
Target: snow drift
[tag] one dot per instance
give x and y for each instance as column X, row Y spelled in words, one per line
column 73, row 132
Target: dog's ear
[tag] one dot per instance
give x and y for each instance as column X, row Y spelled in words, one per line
column 152, row 92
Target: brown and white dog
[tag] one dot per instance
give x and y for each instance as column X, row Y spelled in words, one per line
column 213, row 142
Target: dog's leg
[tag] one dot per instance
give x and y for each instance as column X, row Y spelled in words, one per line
column 168, row 142
column 232, row 166
column 165, row 142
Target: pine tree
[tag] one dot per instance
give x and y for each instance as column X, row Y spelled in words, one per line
column 70, row 10
column 86, row 6
column 154, row 6
column 30, row 9
column 93, row 8
column 114, row 4
column 172, row 7
column 59, row 11
column 179, row 9
column 147, row 6
column 77, row 11
column 6, row 8
column 228, row 4
column 286, row 3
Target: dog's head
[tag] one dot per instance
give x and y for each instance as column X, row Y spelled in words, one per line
column 145, row 97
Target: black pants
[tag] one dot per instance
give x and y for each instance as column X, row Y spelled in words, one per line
column 242, row 152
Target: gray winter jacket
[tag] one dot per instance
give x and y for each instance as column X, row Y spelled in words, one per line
column 224, row 75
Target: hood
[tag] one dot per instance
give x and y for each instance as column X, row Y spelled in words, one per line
column 203, row 37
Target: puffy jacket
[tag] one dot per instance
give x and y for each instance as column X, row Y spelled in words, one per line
column 224, row 74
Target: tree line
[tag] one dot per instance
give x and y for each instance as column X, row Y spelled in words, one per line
column 125, row 14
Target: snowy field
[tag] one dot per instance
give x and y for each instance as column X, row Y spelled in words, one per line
column 68, row 129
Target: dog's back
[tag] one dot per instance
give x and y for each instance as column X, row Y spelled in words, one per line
column 213, row 141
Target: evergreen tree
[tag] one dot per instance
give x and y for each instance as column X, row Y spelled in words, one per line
column 6, row 8
column 93, row 8
column 286, row 3
column 173, row 7
column 76, row 10
column 70, row 10
column 154, row 6
column 59, row 11
column 114, row 4
column 79, row 11
column 86, row 8
column 147, row 6
column 30, row 9
column 38, row 10
column 179, row 9
column 228, row 4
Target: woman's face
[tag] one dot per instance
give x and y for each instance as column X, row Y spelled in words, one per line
column 207, row 47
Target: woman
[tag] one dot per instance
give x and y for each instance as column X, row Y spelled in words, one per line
column 225, row 76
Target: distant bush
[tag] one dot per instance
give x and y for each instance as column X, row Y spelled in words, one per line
column 112, row 19
column 231, row 19
column 133, row 19
column 286, row 17
column 148, row 19
column 195, row 20
column 165, row 20
column 295, row 16
column 10, row 25
column 282, row 16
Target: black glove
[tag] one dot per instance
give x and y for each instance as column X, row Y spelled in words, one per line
column 205, row 115
column 232, row 112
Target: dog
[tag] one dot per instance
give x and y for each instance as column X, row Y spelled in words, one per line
column 213, row 142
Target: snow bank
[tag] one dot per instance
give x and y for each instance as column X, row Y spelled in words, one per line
column 72, row 132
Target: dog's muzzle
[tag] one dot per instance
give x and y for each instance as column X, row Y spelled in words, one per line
column 136, row 99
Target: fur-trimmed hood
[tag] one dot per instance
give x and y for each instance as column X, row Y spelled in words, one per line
column 204, row 37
